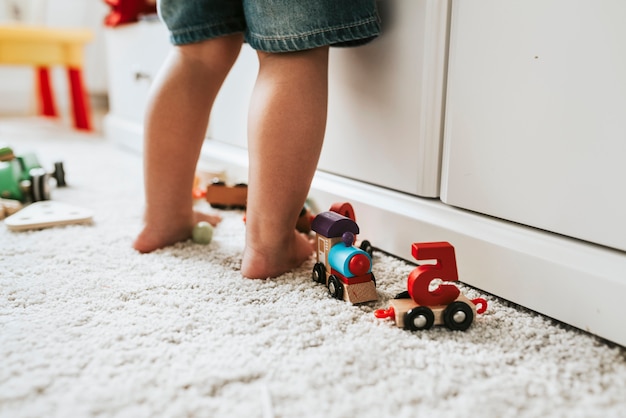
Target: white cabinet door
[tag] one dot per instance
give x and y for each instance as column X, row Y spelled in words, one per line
column 536, row 115
column 386, row 101
column 135, row 53
column 229, row 116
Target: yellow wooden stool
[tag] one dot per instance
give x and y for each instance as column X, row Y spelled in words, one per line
column 43, row 47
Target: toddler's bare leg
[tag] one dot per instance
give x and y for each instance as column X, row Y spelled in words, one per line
column 176, row 122
column 287, row 122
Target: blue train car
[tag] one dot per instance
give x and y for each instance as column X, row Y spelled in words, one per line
column 345, row 269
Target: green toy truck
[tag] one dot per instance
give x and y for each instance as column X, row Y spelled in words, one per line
column 23, row 178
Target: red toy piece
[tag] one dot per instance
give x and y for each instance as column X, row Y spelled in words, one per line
column 420, row 307
column 127, row 11
column 345, row 269
column 445, row 269
column 345, row 209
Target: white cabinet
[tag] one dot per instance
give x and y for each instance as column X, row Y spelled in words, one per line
column 535, row 134
column 386, row 101
column 229, row 116
column 536, row 115
column 135, row 53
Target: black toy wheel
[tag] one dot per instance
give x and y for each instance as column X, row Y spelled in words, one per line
column 367, row 247
column 403, row 295
column 335, row 288
column 39, row 186
column 319, row 273
column 419, row 318
column 373, row 279
column 458, row 316
column 59, row 174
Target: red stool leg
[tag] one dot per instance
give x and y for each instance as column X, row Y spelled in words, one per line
column 45, row 94
column 80, row 104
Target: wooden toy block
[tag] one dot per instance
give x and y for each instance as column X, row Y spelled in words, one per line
column 222, row 196
column 360, row 292
column 8, row 207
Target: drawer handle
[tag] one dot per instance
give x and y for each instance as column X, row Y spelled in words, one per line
column 142, row 76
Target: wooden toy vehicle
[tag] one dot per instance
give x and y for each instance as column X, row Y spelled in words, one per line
column 23, row 178
column 221, row 196
column 304, row 220
column 420, row 307
column 345, row 269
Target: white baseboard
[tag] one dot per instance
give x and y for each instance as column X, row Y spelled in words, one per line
column 17, row 103
column 577, row 283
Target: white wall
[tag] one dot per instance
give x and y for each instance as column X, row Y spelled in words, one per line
column 16, row 82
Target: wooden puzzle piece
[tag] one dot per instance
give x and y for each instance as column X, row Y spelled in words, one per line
column 46, row 214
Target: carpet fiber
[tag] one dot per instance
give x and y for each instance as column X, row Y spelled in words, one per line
column 89, row 327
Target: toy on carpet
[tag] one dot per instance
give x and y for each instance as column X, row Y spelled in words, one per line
column 223, row 196
column 23, row 178
column 343, row 268
column 8, row 207
column 304, row 220
column 202, row 233
column 421, row 307
column 46, row 214
column 220, row 195
column 204, row 176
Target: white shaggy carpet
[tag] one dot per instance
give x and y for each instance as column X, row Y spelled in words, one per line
column 90, row 328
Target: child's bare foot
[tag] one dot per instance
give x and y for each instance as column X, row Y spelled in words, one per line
column 153, row 237
column 262, row 261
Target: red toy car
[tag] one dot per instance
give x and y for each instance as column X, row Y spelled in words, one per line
column 419, row 307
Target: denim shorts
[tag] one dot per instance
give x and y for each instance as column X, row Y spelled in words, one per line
column 273, row 25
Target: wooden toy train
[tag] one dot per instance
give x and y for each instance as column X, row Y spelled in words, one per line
column 345, row 269
column 421, row 307
column 347, row 273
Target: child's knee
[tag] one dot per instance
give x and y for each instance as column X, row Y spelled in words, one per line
column 221, row 51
